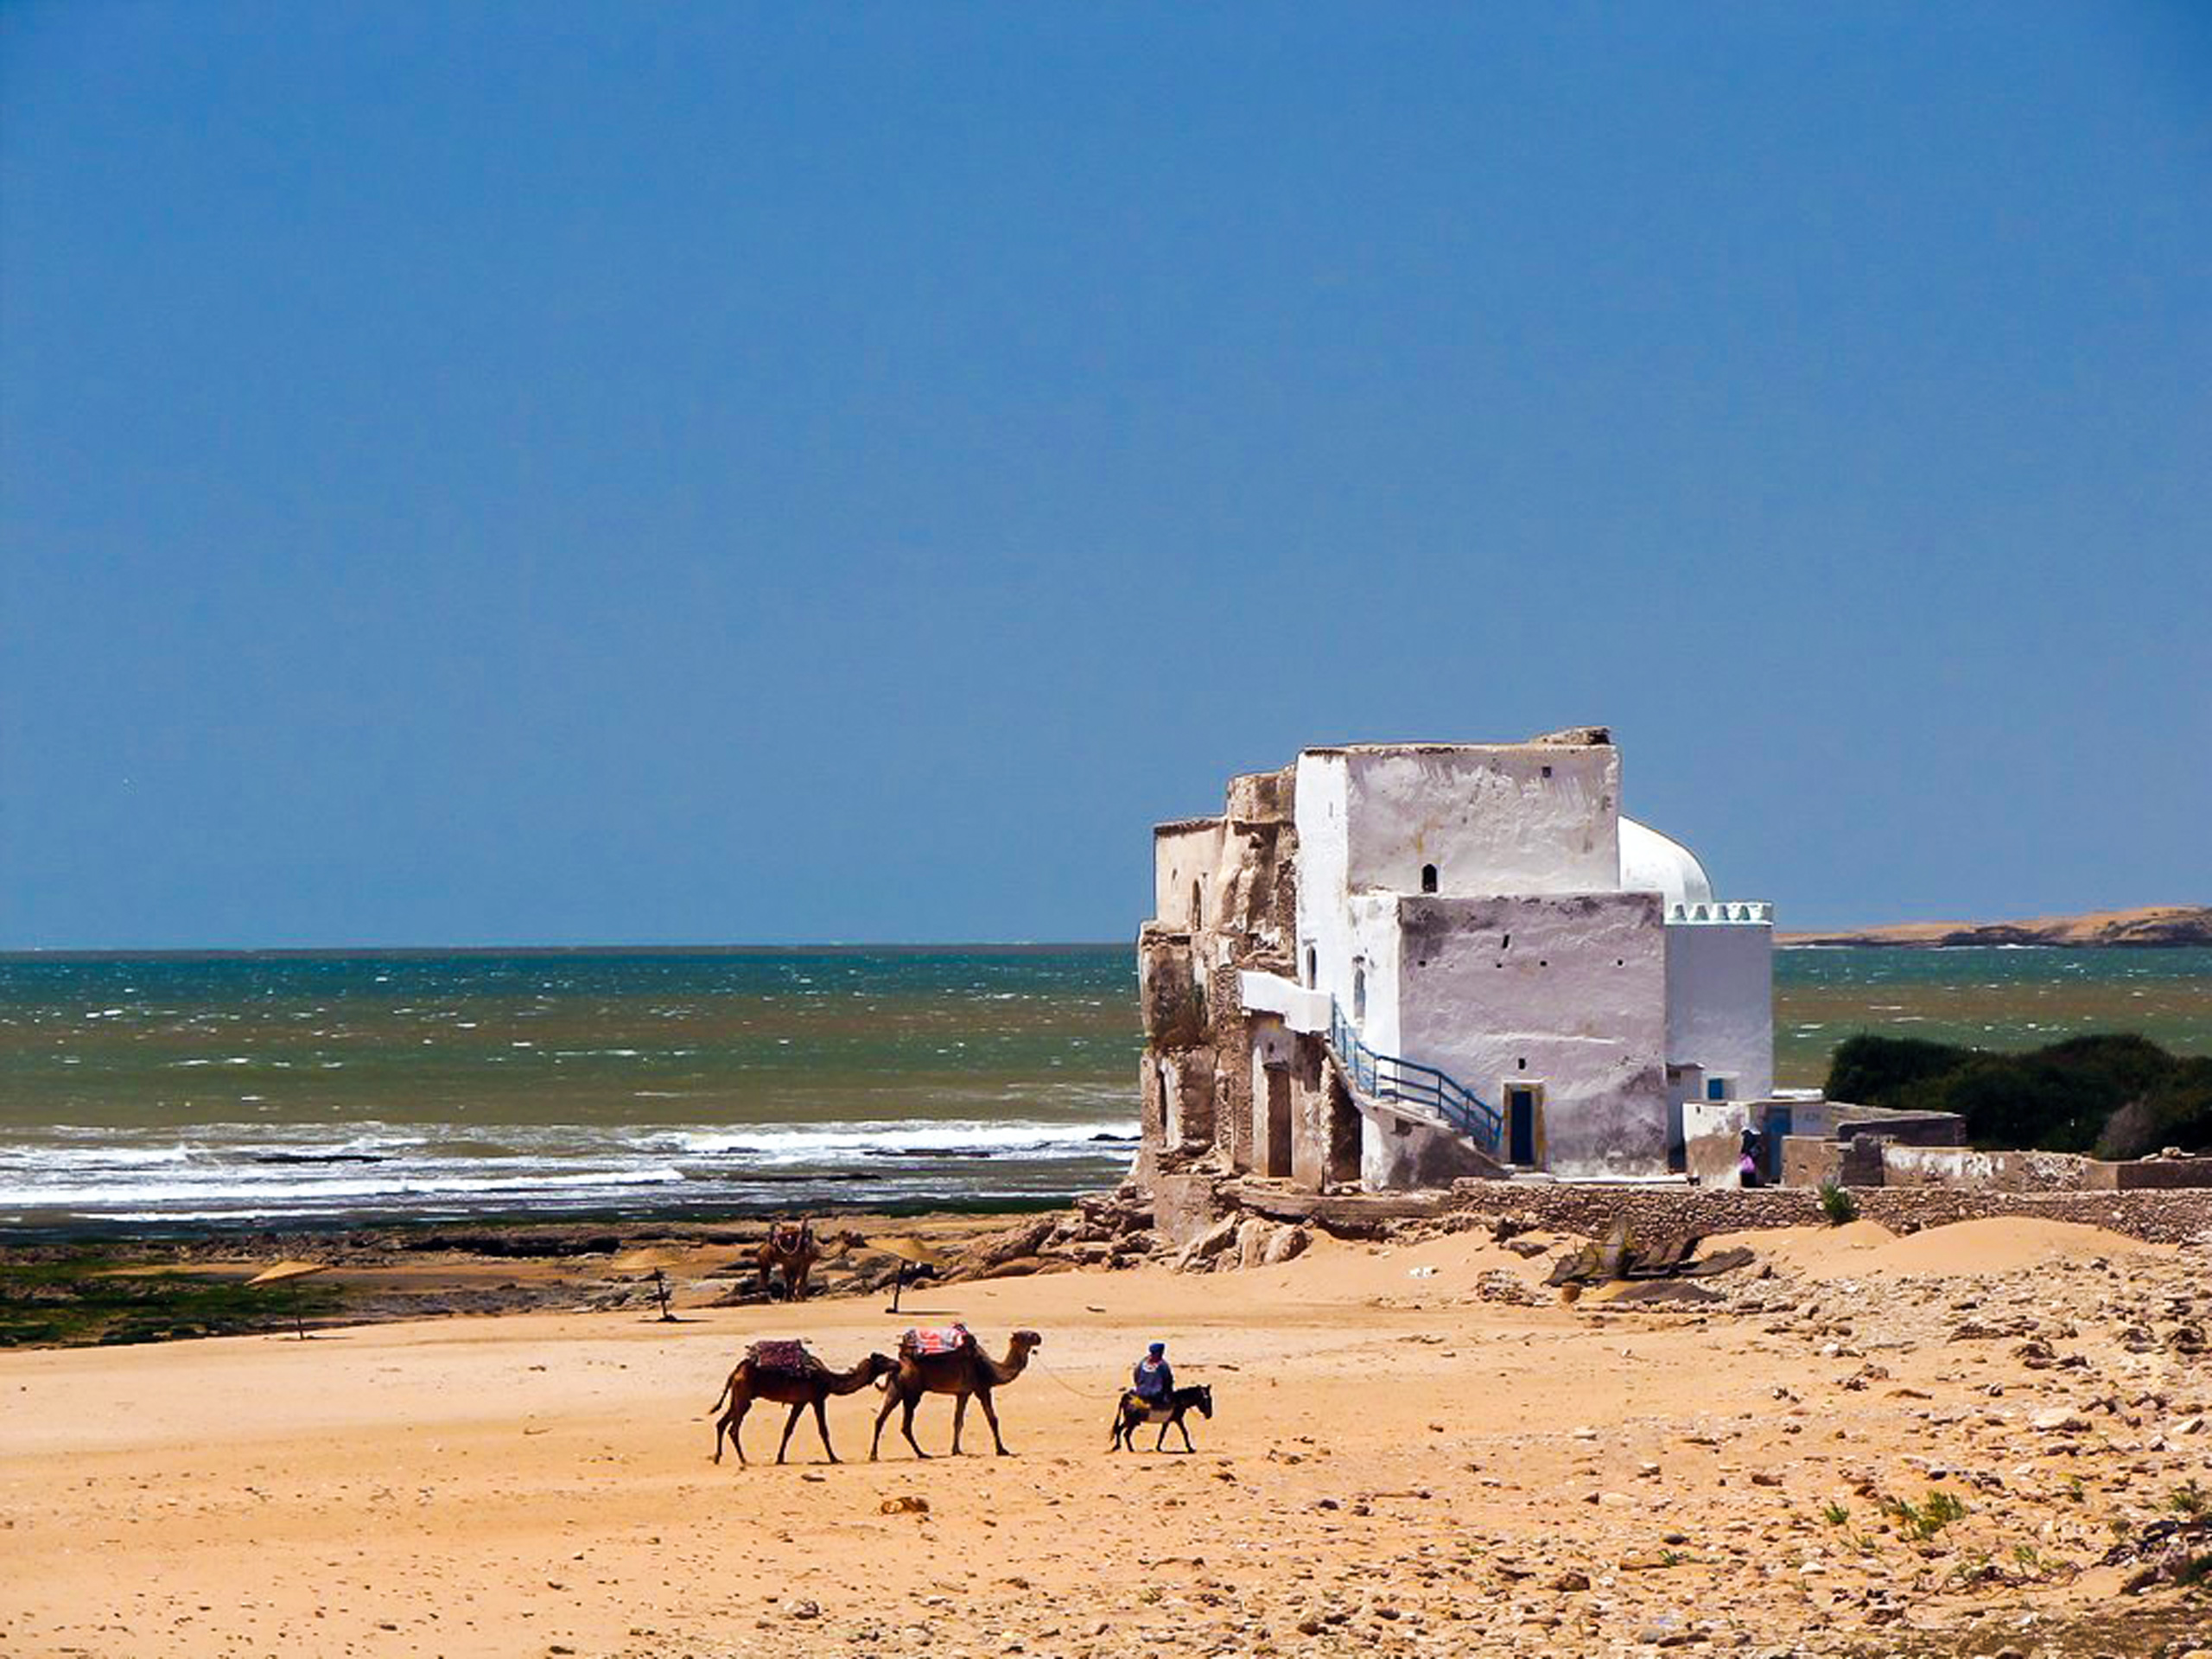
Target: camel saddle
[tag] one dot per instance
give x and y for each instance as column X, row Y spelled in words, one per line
column 783, row 1359
column 921, row 1342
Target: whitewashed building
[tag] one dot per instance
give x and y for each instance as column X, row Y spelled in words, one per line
column 1401, row 964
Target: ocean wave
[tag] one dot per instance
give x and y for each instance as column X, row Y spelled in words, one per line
column 831, row 1143
column 227, row 1186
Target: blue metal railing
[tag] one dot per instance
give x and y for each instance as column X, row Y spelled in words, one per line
column 1385, row 1076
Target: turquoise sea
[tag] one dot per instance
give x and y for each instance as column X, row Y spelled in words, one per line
column 304, row 1091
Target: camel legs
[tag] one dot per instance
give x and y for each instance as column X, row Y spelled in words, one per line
column 907, row 1424
column 733, row 1421
column 983, row 1399
column 789, row 1423
column 822, row 1422
column 890, row 1402
column 894, row 1398
column 959, row 1416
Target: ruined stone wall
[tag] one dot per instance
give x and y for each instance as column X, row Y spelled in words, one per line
column 2167, row 1217
column 1226, row 892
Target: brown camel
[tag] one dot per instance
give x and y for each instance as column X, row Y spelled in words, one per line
column 793, row 1248
column 964, row 1372
column 785, row 1373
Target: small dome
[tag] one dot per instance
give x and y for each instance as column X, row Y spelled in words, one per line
column 1651, row 862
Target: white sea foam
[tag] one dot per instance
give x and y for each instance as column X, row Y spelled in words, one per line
column 242, row 1170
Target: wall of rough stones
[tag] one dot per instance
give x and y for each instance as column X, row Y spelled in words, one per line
column 2165, row 1217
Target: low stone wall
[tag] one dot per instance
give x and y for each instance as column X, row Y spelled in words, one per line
column 2146, row 1174
column 2167, row 1217
column 2002, row 1172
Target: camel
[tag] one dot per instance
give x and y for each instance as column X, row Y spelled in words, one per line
column 964, row 1372
column 785, row 1373
column 792, row 1247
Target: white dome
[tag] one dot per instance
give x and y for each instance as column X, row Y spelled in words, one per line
column 1651, row 862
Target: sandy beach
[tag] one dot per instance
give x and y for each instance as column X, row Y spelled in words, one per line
column 1416, row 1449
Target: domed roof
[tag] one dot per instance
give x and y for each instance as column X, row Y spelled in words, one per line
column 1651, row 862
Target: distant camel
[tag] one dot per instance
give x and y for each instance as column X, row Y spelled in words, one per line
column 792, row 1247
column 966, row 1370
column 785, row 1373
column 1136, row 1410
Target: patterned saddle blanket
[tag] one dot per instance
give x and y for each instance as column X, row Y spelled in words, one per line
column 944, row 1339
column 784, row 1358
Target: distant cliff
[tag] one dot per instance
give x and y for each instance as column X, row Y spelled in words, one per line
column 2155, row 925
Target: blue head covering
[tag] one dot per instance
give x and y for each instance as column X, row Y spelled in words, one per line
column 1159, row 1347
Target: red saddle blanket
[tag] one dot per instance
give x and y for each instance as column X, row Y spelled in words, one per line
column 946, row 1339
column 790, row 1358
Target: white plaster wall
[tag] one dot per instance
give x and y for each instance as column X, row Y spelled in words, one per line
column 1181, row 856
column 1720, row 1000
column 1299, row 1009
column 1373, row 947
column 1323, row 912
column 1486, row 816
column 1576, row 1001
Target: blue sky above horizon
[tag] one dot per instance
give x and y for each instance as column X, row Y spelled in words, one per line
column 699, row 474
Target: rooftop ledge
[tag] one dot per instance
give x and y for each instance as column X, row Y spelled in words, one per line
column 1758, row 914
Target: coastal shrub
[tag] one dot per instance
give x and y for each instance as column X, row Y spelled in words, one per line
column 2177, row 1111
column 1872, row 1070
column 2118, row 1094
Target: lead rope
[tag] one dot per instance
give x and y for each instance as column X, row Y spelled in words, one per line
column 1079, row 1393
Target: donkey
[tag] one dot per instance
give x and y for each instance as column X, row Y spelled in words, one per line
column 1135, row 1409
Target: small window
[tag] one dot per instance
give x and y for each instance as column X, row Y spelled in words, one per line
column 1429, row 878
column 1312, row 969
column 1548, row 771
column 1359, row 995
column 1198, row 904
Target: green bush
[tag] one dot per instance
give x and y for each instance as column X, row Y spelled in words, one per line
column 1837, row 1204
column 2116, row 1094
column 1871, row 1071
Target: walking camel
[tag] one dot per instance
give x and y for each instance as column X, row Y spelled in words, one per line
column 793, row 1248
column 966, row 1369
column 785, row 1373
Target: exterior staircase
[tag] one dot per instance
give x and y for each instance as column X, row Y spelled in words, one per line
column 1410, row 1089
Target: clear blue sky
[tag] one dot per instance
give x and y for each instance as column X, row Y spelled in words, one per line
column 566, row 473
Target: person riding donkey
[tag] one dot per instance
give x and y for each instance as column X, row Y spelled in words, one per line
column 1153, row 1397
column 1155, row 1378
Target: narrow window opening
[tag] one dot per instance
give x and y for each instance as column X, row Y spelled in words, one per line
column 1521, row 1065
column 1198, row 904
column 1548, row 771
column 1359, row 996
column 1508, row 945
column 1312, row 969
column 1429, row 878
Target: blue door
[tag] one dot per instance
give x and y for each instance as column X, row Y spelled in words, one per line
column 1520, row 1126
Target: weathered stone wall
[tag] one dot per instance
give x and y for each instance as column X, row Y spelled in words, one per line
column 2168, row 1217
column 2145, row 1174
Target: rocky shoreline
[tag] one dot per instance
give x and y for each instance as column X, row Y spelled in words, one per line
column 2149, row 926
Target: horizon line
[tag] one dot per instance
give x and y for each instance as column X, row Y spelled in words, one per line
column 340, row 952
